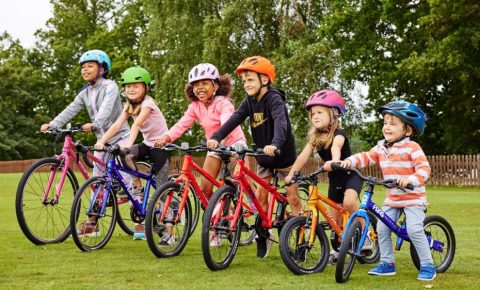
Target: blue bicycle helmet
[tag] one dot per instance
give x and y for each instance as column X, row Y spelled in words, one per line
column 97, row 56
column 407, row 112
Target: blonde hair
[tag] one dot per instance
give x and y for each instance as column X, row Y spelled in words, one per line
column 320, row 139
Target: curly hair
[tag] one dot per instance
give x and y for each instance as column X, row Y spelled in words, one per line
column 224, row 89
column 323, row 139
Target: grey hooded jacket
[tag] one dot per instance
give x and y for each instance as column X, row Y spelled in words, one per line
column 103, row 104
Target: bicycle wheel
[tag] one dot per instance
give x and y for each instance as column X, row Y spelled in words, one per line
column 167, row 238
column 346, row 255
column 44, row 223
column 90, row 231
column 296, row 253
column 219, row 242
column 248, row 232
column 440, row 231
column 196, row 205
column 124, row 215
column 371, row 256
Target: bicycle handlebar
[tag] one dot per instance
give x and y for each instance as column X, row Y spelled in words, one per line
column 388, row 183
column 57, row 131
column 297, row 177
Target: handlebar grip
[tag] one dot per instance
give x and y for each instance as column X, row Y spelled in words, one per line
column 337, row 166
column 278, row 152
column 410, row 186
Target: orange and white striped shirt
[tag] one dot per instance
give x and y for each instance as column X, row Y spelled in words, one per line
column 403, row 159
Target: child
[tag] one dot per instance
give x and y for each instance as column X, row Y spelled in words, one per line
column 403, row 160
column 325, row 107
column 210, row 105
column 150, row 121
column 101, row 98
column 271, row 130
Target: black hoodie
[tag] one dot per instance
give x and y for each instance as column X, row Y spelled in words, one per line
column 269, row 124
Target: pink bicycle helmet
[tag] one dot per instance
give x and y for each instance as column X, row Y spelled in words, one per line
column 327, row 98
column 203, row 71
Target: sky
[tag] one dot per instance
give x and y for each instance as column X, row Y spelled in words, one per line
column 21, row 18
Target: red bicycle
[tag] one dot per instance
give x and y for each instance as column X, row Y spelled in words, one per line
column 172, row 215
column 224, row 217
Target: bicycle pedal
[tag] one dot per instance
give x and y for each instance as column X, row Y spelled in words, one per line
column 325, row 225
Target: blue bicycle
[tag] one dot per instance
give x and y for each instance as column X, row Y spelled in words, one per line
column 95, row 208
column 440, row 235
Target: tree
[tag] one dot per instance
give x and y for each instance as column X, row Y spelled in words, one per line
column 421, row 51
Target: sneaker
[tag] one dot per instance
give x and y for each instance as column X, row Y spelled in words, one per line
column 368, row 243
column 263, row 245
column 427, row 272
column 88, row 229
column 332, row 259
column 139, row 232
column 215, row 240
column 167, row 240
column 383, row 269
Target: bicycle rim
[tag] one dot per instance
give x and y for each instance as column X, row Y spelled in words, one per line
column 85, row 239
column 45, row 223
column 219, row 242
column 167, row 237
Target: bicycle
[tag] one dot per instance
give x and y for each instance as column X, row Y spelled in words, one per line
column 172, row 200
column 96, row 204
column 43, row 219
column 439, row 232
column 224, row 217
column 304, row 246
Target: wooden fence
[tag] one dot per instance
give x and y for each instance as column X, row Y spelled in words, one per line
column 459, row 170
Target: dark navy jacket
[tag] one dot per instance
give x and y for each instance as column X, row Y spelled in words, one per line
column 269, row 124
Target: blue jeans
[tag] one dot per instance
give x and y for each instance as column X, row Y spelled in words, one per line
column 414, row 219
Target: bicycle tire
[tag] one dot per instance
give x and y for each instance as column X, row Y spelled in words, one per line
column 124, row 219
column 371, row 256
column 299, row 258
column 346, row 255
column 437, row 227
column 105, row 224
column 219, row 244
column 195, row 203
column 30, row 211
column 156, row 230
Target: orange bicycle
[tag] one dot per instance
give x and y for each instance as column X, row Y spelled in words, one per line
column 304, row 246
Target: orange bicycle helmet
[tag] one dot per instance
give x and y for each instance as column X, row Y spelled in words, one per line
column 258, row 64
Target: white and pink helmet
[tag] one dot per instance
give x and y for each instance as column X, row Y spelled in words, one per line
column 327, row 98
column 203, row 71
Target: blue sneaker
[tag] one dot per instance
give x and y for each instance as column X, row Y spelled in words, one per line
column 383, row 269
column 427, row 272
column 139, row 232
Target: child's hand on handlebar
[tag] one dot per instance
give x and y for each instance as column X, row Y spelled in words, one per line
column 45, row 127
column 269, row 150
column 403, row 182
column 160, row 142
column 288, row 179
column 346, row 163
column 88, row 127
column 99, row 146
column 212, row 144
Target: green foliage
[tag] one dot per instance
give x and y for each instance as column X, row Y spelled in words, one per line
column 421, row 51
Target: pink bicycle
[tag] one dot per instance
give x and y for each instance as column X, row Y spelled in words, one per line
column 40, row 214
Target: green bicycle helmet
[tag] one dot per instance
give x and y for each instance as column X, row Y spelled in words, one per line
column 136, row 74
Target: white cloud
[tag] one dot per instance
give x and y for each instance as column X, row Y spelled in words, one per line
column 21, row 18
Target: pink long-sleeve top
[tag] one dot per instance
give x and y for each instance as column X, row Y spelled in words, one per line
column 211, row 118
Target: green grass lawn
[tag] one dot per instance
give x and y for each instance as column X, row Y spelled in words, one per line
column 128, row 264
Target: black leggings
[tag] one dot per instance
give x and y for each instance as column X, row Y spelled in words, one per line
column 139, row 152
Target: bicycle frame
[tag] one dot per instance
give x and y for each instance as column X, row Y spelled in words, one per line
column 315, row 205
column 240, row 175
column 368, row 205
column 112, row 173
column 68, row 154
